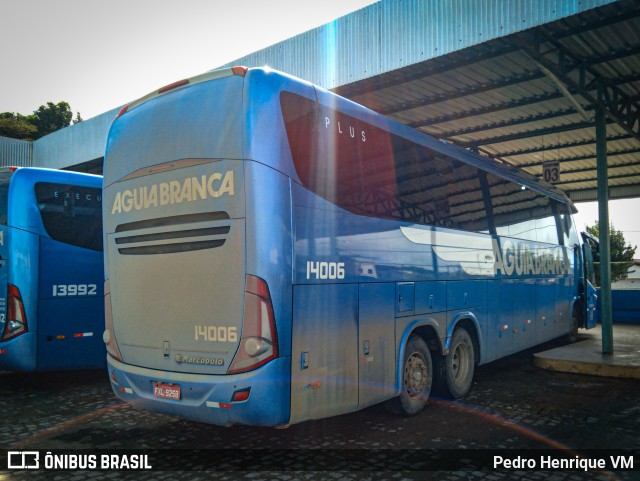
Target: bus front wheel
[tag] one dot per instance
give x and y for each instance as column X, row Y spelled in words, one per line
column 572, row 335
column 459, row 364
column 417, row 377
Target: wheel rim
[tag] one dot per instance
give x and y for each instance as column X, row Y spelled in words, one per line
column 459, row 363
column 415, row 375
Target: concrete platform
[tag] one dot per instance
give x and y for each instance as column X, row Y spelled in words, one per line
column 585, row 356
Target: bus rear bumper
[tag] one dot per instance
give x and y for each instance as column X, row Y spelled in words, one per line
column 209, row 398
column 19, row 354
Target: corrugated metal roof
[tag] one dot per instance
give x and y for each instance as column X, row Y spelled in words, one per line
column 514, row 98
column 515, row 80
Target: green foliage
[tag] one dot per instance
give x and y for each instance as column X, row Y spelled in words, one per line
column 17, row 128
column 47, row 119
column 52, row 117
column 621, row 254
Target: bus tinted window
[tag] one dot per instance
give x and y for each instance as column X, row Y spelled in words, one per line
column 521, row 212
column 325, row 155
column 71, row 214
column 5, row 177
column 366, row 169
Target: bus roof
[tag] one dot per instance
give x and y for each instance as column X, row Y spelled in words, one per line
column 256, row 74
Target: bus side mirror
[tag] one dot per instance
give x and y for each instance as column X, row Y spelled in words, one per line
column 594, row 245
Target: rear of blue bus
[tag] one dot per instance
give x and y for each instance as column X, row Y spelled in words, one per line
column 195, row 245
column 51, row 270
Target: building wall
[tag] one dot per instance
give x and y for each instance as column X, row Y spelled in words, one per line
column 15, row 152
column 76, row 144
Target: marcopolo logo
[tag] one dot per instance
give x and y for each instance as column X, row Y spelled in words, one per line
column 200, row 360
column 174, row 192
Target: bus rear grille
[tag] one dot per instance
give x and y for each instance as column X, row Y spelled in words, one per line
column 130, row 243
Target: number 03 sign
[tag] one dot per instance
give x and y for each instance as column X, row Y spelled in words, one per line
column 551, row 171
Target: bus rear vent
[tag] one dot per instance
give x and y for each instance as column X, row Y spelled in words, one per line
column 166, row 239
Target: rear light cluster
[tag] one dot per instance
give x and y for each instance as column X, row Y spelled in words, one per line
column 16, row 323
column 259, row 342
column 108, row 337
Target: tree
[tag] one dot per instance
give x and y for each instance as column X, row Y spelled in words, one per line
column 47, row 119
column 52, row 117
column 621, row 253
column 16, row 126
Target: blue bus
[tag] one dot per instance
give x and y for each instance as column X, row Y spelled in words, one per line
column 51, row 270
column 276, row 253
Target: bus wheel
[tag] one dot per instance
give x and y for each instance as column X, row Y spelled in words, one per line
column 417, row 376
column 572, row 335
column 459, row 364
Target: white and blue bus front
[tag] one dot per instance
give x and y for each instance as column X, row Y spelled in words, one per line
column 191, row 327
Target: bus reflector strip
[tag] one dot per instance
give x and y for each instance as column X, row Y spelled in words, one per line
column 83, row 334
column 213, row 404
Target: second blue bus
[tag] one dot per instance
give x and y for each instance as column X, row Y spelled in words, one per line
column 51, row 270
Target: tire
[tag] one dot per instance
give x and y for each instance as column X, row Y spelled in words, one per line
column 572, row 335
column 416, row 380
column 459, row 364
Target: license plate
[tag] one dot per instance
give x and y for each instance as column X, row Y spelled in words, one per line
column 166, row 391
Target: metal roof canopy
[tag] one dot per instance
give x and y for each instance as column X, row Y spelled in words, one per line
column 530, row 98
column 566, row 90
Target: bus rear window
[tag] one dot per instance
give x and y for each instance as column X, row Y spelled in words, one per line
column 71, row 214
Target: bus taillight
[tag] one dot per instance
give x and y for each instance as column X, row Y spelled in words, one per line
column 16, row 319
column 108, row 336
column 259, row 342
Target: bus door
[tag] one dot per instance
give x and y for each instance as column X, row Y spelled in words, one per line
column 590, row 253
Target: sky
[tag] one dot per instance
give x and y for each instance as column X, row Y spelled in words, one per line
column 624, row 214
column 99, row 55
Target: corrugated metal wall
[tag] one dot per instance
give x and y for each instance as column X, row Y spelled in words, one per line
column 392, row 34
column 15, row 152
column 75, row 144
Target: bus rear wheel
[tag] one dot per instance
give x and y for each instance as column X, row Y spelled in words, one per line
column 459, row 364
column 417, row 377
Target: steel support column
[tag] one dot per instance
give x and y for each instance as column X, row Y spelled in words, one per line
column 606, row 312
